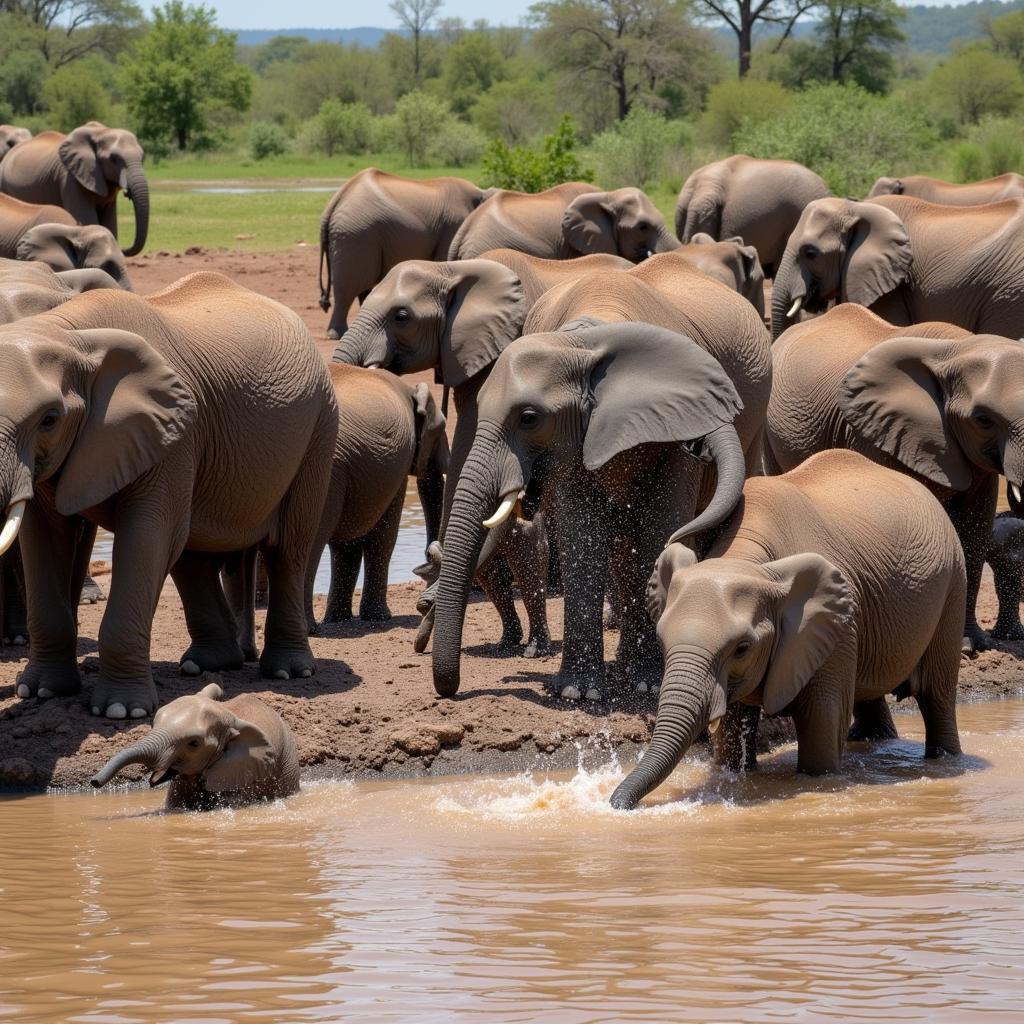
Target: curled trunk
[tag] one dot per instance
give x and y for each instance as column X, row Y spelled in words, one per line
column 138, row 192
column 785, row 288
column 147, row 751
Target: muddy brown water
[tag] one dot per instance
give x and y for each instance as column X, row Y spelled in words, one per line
column 893, row 894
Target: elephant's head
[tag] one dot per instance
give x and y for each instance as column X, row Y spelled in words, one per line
column 197, row 737
column 455, row 317
column 577, row 398
column 10, row 136
column 732, row 262
column 90, row 410
column 75, row 247
column 947, row 410
column 729, row 631
column 886, row 187
column 840, row 251
column 623, row 223
column 103, row 159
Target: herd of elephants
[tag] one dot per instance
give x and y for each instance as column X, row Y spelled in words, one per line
column 782, row 509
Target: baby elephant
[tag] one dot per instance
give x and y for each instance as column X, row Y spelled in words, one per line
column 828, row 588
column 1006, row 556
column 214, row 754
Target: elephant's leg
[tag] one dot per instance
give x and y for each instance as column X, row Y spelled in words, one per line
column 872, row 720
column 822, row 712
column 496, row 580
column 239, row 580
column 15, row 614
column 378, row 546
column 260, row 583
column 734, row 744
column 972, row 514
column 48, row 542
column 346, row 558
column 937, row 675
column 211, row 623
column 526, row 550
column 82, row 584
column 1008, row 572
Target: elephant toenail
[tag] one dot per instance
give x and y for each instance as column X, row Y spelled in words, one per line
column 570, row 693
column 593, row 694
column 95, row 710
column 281, row 674
column 139, row 712
column 20, row 641
column 24, row 691
column 44, row 693
column 306, row 673
column 116, row 710
column 189, row 668
column 641, row 687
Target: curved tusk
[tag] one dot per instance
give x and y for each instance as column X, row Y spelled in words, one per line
column 508, row 503
column 713, row 725
column 1015, row 490
column 12, row 525
column 795, row 308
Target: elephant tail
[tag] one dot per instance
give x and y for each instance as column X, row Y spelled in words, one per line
column 325, row 290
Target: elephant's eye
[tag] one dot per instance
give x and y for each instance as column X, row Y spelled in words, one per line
column 402, row 315
column 529, row 418
column 809, row 252
column 193, row 744
column 742, row 649
column 50, row 420
column 643, row 226
column 983, row 420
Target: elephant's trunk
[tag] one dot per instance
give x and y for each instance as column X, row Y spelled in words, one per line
column 682, row 713
column 147, row 751
column 723, row 445
column 365, row 342
column 665, row 242
column 138, row 192
column 787, row 288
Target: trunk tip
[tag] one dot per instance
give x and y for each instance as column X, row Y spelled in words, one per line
column 446, row 687
column 623, row 799
column 96, row 782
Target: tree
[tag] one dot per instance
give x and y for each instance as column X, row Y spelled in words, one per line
column 516, row 110
column 418, row 118
column 182, row 75
column 415, row 17
column 529, row 170
column 856, row 35
column 978, row 82
column 1007, row 36
column 78, row 92
column 66, row 30
column 470, row 67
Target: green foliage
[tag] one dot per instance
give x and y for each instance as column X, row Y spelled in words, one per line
column 530, row 170
column 517, row 110
column 418, row 120
column 339, row 128
column 996, row 146
column 458, row 144
column 977, row 82
column 267, row 140
column 78, row 92
column 22, row 75
column 181, row 81
column 738, row 99
column 638, row 149
column 471, row 66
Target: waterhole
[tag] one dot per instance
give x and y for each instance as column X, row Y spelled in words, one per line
column 894, row 893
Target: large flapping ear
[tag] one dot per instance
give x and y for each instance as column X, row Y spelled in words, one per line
column 893, row 396
column 78, row 154
column 485, row 313
column 137, row 408
column 588, row 224
column 673, row 558
column 248, row 759
column 878, row 253
column 431, row 438
column 815, row 605
column 648, row 384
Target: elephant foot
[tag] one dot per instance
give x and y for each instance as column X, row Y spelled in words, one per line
column 210, row 656
column 374, row 611
column 1010, row 631
column 123, row 700
column 975, row 639
column 338, row 613
column 872, row 721
column 91, row 592
column 538, row 645
column 47, row 681
column 249, row 653
column 511, row 639
column 580, row 685
column 280, row 662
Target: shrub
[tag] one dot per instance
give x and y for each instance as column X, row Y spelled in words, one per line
column 267, row 139
column 77, row 92
column 458, row 144
column 638, row 149
column 977, row 83
column 993, row 147
column 736, row 100
column 530, row 170
column 342, row 127
column 418, row 120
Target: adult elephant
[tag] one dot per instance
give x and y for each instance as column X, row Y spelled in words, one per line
column 907, row 260
column 758, row 200
column 569, row 220
column 190, row 424
column 10, row 136
column 935, row 190
column 601, row 423
column 930, row 400
column 537, row 275
column 828, row 588
column 375, row 221
column 83, row 172
column 731, row 262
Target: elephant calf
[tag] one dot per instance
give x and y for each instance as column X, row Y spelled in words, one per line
column 1005, row 555
column 214, row 754
column 828, row 588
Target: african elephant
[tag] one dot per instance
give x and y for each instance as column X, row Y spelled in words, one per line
column 1005, row 554
column 568, row 220
column 214, row 753
column 10, row 136
column 828, row 588
column 193, row 423
column 75, row 248
column 909, row 261
column 730, row 262
column 82, row 172
column 376, row 220
column 758, row 200
column 537, row 275
column 602, row 423
column 934, row 190
column 27, row 288
column 930, row 400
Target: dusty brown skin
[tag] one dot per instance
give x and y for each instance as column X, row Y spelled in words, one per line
column 935, row 190
column 30, row 288
column 10, row 136
column 537, row 275
column 730, row 262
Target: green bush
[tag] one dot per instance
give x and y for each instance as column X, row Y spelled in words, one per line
column 531, row 170
column 339, row 128
column 977, row 83
column 732, row 102
column 266, row 139
column 638, row 149
column 458, row 144
column 969, row 162
column 77, row 93
column 996, row 146
column 417, row 122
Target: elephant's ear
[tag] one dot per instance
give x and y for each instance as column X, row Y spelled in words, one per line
column 431, row 439
column 78, row 154
column 703, row 238
column 137, row 408
column 485, row 313
column 878, row 254
column 248, row 760
column 893, row 397
column 648, row 384
column 674, row 557
column 815, row 605
column 588, row 224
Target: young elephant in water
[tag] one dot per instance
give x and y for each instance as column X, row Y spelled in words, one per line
column 826, row 589
column 214, row 754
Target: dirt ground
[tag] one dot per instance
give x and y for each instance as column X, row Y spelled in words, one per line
column 370, row 710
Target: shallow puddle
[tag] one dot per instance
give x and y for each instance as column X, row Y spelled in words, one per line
column 895, row 893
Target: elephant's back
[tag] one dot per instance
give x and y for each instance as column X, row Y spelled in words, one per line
column 16, row 214
column 32, row 165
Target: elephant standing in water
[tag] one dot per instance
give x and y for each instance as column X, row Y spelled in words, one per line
column 566, row 221
column 10, row 136
column 375, row 221
column 191, row 424
column 214, row 753
column 758, row 200
column 83, row 173
column 934, row 190
column 826, row 589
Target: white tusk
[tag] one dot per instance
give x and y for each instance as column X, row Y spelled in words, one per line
column 12, row 525
column 373, row 366
column 714, row 724
column 1015, row 491
column 795, row 308
column 508, row 503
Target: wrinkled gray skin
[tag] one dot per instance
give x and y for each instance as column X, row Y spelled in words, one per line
column 375, row 221
column 597, row 423
column 569, row 220
column 83, row 172
column 934, row 190
column 758, row 200
column 827, row 589
column 75, row 248
column 10, row 136
column 214, row 753
column 1005, row 555
column 733, row 263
